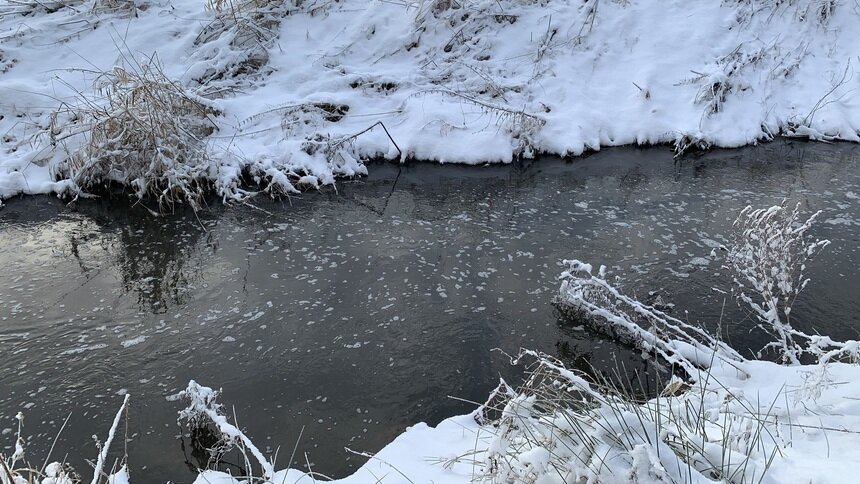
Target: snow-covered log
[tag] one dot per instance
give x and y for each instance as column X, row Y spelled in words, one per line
column 590, row 298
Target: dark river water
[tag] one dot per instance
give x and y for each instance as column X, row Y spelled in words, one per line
column 346, row 315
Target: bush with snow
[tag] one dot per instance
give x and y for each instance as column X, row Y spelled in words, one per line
column 140, row 130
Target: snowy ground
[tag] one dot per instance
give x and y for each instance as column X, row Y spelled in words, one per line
column 291, row 87
column 810, row 436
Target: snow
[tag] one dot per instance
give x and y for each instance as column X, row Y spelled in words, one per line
column 475, row 84
column 416, row 455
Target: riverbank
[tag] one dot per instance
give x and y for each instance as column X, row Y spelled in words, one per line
column 279, row 97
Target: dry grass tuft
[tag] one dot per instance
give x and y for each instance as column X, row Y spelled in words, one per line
column 144, row 131
column 247, row 28
column 563, row 425
column 124, row 8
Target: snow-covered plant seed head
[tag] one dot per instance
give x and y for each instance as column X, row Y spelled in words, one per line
column 769, row 253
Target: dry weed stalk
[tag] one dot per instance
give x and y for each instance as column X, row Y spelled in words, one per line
column 769, row 255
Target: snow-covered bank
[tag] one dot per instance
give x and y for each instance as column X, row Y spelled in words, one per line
column 753, row 422
column 758, row 422
column 299, row 92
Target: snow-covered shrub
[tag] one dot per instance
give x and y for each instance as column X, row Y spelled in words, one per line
column 139, row 129
column 769, row 255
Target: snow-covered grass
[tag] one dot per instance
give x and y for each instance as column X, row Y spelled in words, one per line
column 293, row 88
column 752, row 422
column 562, row 427
column 16, row 469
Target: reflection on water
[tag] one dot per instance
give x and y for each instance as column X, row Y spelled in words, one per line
column 348, row 314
